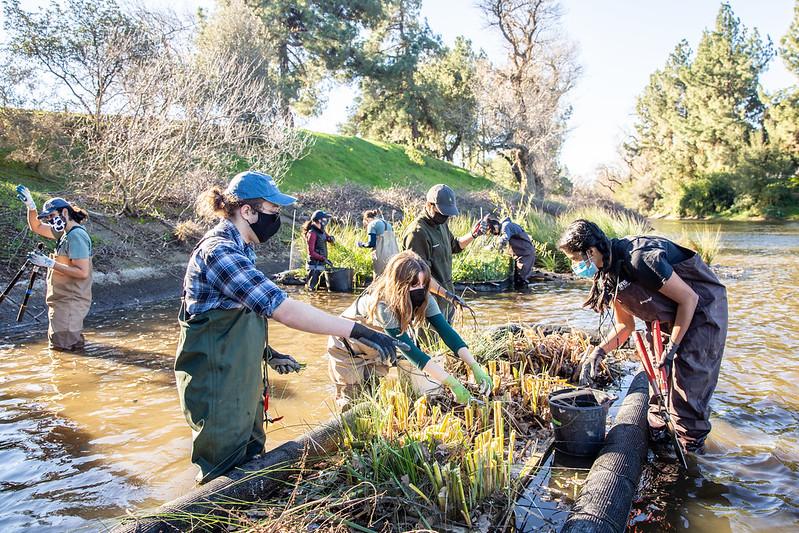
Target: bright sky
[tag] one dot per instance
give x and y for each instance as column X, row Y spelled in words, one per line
column 620, row 44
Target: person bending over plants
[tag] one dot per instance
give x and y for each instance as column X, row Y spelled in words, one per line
column 397, row 301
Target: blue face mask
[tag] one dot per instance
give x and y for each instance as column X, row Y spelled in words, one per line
column 585, row 269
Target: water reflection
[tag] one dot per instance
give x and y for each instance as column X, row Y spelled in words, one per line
column 85, row 437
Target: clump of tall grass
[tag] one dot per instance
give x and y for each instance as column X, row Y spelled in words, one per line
column 614, row 224
column 479, row 261
column 706, row 242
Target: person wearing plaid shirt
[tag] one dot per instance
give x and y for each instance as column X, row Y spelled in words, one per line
column 222, row 275
column 223, row 328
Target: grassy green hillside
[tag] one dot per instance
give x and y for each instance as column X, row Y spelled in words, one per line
column 12, row 211
column 336, row 158
column 331, row 159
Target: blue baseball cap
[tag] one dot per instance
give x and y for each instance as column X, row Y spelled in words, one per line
column 53, row 204
column 319, row 215
column 251, row 185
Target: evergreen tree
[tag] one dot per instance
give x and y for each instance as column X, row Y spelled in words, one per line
column 790, row 43
column 314, row 39
column 393, row 104
column 448, row 89
column 725, row 111
column 701, row 125
column 783, row 114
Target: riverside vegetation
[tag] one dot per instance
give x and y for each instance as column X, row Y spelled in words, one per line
column 482, row 261
column 409, row 461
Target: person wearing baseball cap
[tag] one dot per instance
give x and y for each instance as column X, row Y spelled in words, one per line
column 221, row 378
column 317, row 238
column 69, row 268
column 430, row 237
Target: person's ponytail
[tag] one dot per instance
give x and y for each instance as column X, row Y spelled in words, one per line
column 216, row 203
column 77, row 214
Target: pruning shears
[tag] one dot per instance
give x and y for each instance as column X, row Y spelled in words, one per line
column 659, row 383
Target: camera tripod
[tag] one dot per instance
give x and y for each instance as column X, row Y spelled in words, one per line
column 34, row 273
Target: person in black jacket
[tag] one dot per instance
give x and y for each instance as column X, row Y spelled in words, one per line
column 520, row 248
column 317, row 239
column 654, row 279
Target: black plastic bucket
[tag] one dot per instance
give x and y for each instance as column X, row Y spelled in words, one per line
column 340, row 279
column 578, row 420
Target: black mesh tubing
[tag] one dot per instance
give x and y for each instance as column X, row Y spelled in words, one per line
column 605, row 500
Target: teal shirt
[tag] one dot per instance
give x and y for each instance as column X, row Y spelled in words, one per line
column 74, row 244
column 378, row 227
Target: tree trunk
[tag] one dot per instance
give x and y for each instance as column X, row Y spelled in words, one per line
column 449, row 153
column 530, row 183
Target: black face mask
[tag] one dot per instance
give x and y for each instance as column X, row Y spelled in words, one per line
column 418, row 297
column 266, row 226
column 439, row 218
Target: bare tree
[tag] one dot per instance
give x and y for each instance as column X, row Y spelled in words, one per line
column 183, row 125
column 84, row 46
column 522, row 110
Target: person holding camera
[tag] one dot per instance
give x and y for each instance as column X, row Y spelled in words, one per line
column 69, row 268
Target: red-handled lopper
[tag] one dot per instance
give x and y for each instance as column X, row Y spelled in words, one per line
column 659, row 384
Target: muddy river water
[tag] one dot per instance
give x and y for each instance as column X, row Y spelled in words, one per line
column 85, row 438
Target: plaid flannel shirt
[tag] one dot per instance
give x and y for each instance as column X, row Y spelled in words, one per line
column 221, row 275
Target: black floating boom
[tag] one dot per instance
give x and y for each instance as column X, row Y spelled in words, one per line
column 605, row 500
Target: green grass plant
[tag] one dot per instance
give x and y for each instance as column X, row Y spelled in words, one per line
column 615, row 225
column 481, row 261
column 705, row 241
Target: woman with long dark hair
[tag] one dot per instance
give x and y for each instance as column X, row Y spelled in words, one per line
column 654, row 279
column 69, row 268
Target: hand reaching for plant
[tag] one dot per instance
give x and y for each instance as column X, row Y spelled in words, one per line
column 462, row 395
column 482, row 378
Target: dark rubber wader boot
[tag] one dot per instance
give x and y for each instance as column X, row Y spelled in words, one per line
column 220, row 380
column 523, row 253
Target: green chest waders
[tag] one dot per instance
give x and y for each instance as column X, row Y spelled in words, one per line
column 219, row 376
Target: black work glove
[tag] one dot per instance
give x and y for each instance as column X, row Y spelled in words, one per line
column 668, row 355
column 456, row 300
column 480, row 228
column 386, row 346
column 590, row 365
column 280, row 362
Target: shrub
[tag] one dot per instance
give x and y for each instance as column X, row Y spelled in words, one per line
column 710, row 195
column 705, row 242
